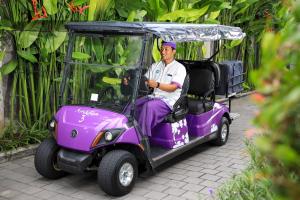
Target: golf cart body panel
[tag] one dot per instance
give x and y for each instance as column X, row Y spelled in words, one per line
column 79, row 125
column 207, row 122
column 129, row 137
column 170, row 135
column 94, row 129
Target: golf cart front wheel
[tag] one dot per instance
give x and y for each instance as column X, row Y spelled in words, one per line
column 45, row 160
column 223, row 132
column 117, row 172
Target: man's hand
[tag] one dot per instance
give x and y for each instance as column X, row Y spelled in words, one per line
column 152, row 83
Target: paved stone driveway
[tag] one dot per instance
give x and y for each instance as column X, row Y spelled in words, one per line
column 189, row 176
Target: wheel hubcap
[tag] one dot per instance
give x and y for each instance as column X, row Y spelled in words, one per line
column 126, row 174
column 224, row 133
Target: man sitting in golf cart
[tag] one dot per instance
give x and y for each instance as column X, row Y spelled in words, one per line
column 166, row 77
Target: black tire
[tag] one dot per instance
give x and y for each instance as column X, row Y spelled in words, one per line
column 45, row 159
column 221, row 140
column 109, row 169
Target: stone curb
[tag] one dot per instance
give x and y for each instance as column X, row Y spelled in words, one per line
column 18, row 153
column 30, row 150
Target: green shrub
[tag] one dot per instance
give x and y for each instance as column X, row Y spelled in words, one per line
column 275, row 168
column 250, row 184
column 278, row 83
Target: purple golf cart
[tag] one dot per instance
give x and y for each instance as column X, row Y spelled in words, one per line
column 95, row 126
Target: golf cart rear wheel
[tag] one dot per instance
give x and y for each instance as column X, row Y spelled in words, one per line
column 45, row 160
column 223, row 132
column 117, row 172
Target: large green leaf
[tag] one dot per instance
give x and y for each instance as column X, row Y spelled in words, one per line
column 80, row 56
column 131, row 16
column 188, row 14
column 234, row 43
column 51, row 6
column 27, row 56
column 30, row 34
column 98, row 49
column 54, row 41
column 214, row 15
column 155, row 51
column 112, row 81
column 140, row 14
column 9, row 67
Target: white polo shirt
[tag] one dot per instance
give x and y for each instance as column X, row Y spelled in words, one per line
column 172, row 73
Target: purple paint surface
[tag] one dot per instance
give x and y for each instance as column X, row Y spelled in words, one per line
column 129, row 137
column 88, row 122
column 169, row 135
column 206, row 123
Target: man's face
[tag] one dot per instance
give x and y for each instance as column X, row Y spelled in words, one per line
column 167, row 53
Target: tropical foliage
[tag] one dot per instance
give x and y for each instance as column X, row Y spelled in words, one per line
column 277, row 161
column 279, row 85
column 36, row 28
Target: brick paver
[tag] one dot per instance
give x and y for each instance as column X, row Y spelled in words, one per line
column 193, row 175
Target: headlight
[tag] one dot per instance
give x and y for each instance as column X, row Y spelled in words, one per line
column 51, row 124
column 108, row 136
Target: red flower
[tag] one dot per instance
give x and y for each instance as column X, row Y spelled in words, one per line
column 75, row 9
column 72, row 7
column 81, row 9
column 37, row 14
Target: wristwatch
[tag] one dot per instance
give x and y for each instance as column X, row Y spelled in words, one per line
column 157, row 84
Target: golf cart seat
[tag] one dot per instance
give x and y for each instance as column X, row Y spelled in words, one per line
column 204, row 78
column 180, row 108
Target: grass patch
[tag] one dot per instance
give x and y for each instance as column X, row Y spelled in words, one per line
column 18, row 135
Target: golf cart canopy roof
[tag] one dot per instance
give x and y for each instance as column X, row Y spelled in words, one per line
column 171, row 32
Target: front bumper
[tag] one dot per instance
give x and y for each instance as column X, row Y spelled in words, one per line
column 73, row 162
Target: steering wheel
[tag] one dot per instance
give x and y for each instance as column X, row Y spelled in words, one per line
column 144, row 88
column 109, row 90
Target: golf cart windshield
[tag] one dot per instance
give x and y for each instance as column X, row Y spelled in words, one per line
column 98, row 66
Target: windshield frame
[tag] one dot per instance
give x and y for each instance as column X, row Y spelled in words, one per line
column 138, row 66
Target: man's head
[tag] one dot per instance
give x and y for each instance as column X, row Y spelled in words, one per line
column 167, row 52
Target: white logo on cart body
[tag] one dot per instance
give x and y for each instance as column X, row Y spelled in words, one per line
column 85, row 113
column 177, row 130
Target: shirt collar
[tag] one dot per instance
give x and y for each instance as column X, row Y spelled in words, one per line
column 164, row 64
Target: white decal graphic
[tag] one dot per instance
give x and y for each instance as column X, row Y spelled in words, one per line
column 85, row 113
column 184, row 138
column 217, row 106
column 178, row 144
column 213, row 128
column 175, row 128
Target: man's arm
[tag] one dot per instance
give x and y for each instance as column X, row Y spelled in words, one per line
column 162, row 86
